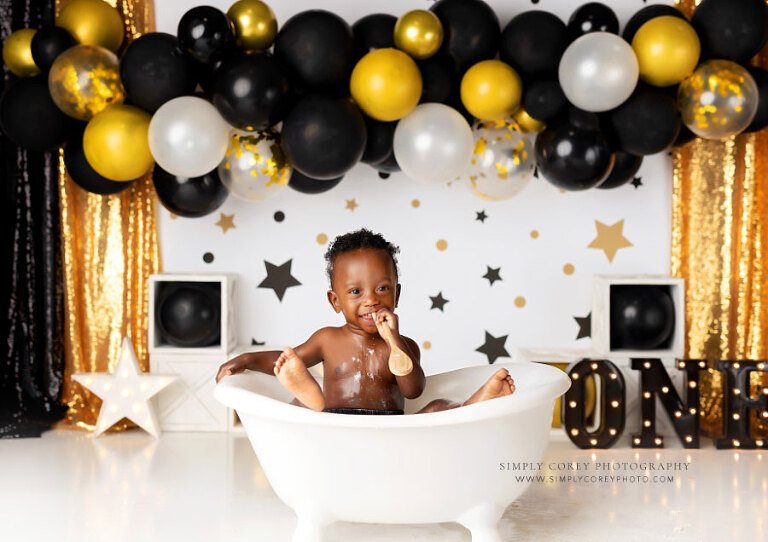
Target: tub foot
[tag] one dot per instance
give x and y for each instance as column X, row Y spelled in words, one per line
column 482, row 521
column 310, row 528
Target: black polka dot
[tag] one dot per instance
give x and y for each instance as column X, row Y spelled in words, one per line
column 208, row 257
column 383, row 175
column 279, row 216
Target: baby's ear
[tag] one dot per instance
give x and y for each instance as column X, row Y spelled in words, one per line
column 333, row 299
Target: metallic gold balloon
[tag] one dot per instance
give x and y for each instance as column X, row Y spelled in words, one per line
column 502, row 161
column 116, row 143
column 526, row 124
column 719, row 100
column 386, row 84
column 667, row 50
column 17, row 53
column 491, row 90
column 419, row 33
column 255, row 167
column 93, row 22
column 254, row 23
column 84, row 80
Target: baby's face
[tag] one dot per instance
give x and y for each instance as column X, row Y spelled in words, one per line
column 364, row 281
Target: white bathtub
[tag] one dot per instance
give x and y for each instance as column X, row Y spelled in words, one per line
column 426, row 468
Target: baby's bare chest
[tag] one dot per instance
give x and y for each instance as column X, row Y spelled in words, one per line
column 367, row 361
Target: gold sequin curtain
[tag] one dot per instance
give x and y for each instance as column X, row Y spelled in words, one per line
column 719, row 236
column 110, row 248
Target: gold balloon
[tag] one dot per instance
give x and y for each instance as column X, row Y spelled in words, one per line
column 254, row 23
column 491, row 90
column 419, row 33
column 93, row 22
column 116, row 143
column 17, row 53
column 84, row 80
column 526, row 123
column 719, row 100
column 667, row 50
column 386, row 84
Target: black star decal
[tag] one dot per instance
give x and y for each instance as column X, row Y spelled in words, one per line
column 494, row 347
column 536, row 172
column 254, row 342
column 637, row 182
column 492, row 274
column 438, row 302
column 279, row 278
column 481, row 216
column 585, row 326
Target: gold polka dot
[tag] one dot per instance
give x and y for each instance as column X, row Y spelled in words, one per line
column 568, row 269
column 426, row 345
column 174, row 217
column 415, row 203
column 442, row 244
column 520, row 302
column 534, row 234
column 322, row 239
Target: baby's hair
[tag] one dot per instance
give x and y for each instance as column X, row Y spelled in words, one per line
column 355, row 240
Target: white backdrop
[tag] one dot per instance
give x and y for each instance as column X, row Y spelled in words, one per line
column 531, row 238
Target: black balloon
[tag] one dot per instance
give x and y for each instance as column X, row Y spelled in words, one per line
column 83, row 174
column 470, row 30
column 387, row 166
column 760, row 120
column 308, row 185
column 206, row 75
column 29, row 117
column 154, row 70
column 533, row 43
column 189, row 314
column 647, row 123
column 324, row 137
column 248, row 90
column 592, row 17
column 625, row 166
column 189, row 197
column 379, row 136
column 645, row 15
column 373, row 32
column 573, row 154
column 205, row 33
column 642, row 317
column 48, row 43
column 544, row 99
column 684, row 136
column 316, row 49
column 437, row 77
column 731, row 30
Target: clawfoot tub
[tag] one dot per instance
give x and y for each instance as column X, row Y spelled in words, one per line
column 425, row 468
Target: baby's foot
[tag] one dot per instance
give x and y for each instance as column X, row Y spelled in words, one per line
column 294, row 376
column 499, row 385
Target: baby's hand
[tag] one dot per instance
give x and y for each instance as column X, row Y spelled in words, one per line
column 385, row 317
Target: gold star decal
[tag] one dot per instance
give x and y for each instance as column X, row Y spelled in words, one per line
column 351, row 204
column 610, row 238
column 226, row 222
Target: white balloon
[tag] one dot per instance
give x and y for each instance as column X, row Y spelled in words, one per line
column 598, row 71
column 188, row 137
column 433, row 143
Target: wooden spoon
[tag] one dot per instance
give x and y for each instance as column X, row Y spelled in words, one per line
column 399, row 362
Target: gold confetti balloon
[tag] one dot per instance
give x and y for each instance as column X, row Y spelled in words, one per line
column 254, row 23
column 17, row 53
column 254, row 167
column 84, row 80
column 92, row 22
column 719, row 100
column 419, row 33
column 502, row 161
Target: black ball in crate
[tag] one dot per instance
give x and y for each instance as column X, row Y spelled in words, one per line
column 642, row 317
column 189, row 315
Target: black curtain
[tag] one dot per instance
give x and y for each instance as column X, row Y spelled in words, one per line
column 32, row 299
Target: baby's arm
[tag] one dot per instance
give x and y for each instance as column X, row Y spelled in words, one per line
column 411, row 385
column 310, row 352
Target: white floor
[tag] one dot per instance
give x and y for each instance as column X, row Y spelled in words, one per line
column 209, row 487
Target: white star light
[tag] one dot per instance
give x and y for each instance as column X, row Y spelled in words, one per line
column 126, row 393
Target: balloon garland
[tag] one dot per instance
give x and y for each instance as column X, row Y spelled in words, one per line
column 492, row 102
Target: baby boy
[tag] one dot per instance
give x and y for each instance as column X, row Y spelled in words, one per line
column 357, row 379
